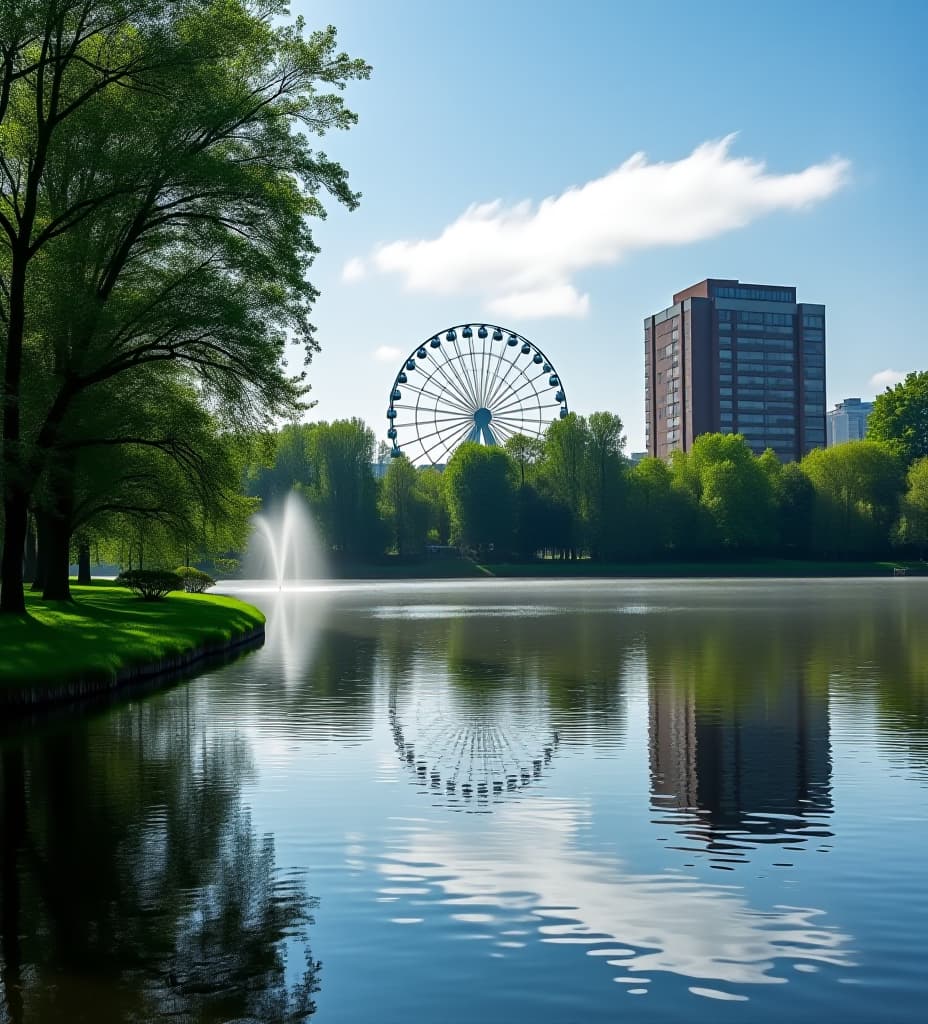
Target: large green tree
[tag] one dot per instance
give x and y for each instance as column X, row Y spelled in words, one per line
column 912, row 527
column 343, row 491
column 481, row 487
column 900, row 416
column 857, row 489
column 193, row 195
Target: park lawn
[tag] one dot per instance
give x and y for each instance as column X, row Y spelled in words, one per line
column 106, row 628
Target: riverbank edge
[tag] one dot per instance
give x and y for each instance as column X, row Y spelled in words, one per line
column 35, row 695
column 461, row 569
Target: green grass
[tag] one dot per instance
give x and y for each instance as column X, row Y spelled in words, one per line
column 761, row 568
column 106, row 628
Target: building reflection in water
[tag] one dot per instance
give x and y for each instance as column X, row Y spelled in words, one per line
column 739, row 746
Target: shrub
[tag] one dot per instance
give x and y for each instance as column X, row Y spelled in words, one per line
column 150, row 584
column 226, row 566
column 195, row 581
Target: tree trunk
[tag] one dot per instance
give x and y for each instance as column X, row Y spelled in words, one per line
column 83, row 564
column 15, row 512
column 57, row 571
column 41, row 558
column 58, row 555
column 30, row 560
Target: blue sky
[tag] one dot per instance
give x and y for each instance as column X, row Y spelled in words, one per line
column 519, row 101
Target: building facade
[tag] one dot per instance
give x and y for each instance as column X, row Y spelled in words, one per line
column 736, row 358
column 848, row 421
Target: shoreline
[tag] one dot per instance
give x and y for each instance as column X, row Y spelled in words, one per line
column 465, row 569
column 149, row 675
column 106, row 641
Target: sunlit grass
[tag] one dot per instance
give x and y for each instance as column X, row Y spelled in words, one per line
column 107, row 627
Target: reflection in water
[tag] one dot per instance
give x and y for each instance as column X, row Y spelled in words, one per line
column 680, row 727
column 133, row 884
column 738, row 737
column 481, row 751
column 530, row 865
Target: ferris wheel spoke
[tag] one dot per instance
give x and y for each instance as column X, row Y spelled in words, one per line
column 506, row 382
column 457, row 376
column 463, row 375
column 448, row 445
column 455, row 384
column 501, row 433
column 515, row 391
column 499, row 385
column 445, row 398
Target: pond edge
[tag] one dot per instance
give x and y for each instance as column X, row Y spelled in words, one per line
column 147, row 673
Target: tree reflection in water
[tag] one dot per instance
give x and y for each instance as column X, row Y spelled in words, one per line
column 134, row 887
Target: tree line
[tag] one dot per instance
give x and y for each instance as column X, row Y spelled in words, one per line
column 158, row 179
column 574, row 494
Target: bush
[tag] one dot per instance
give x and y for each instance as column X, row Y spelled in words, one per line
column 195, row 581
column 226, row 566
column 150, row 584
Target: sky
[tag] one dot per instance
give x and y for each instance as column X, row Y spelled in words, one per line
column 562, row 168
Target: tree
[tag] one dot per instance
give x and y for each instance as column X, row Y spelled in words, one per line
column 342, row 490
column 651, row 503
column 912, row 527
column 176, row 210
column 404, row 509
column 525, row 452
column 605, row 479
column 794, row 502
column 480, row 485
column 732, row 486
column 857, row 489
column 900, row 417
column 431, row 488
column 564, row 472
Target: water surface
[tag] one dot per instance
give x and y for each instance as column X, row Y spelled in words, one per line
column 493, row 801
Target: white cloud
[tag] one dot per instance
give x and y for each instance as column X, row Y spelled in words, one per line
column 387, row 354
column 522, row 258
column 354, row 270
column 886, row 379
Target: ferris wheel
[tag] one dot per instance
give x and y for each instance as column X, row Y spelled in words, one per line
column 471, row 382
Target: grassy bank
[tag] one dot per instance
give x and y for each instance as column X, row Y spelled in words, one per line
column 107, row 628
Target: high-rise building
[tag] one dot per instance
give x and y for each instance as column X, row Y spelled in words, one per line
column 736, row 359
column 848, row 421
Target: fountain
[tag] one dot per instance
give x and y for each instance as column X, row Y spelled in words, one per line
column 289, row 547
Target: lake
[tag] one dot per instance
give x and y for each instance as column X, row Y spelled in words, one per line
column 492, row 801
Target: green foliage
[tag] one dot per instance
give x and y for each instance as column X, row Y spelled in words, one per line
column 404, row 508
column 195, row 580
column 150, row 584
column 912, row 527
column 900, row 417
column 156, row 195
column 480, row 485
column 341, row 488
column 731, row 486
column 857, row 488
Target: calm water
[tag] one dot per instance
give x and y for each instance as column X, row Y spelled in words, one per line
column 495, row 801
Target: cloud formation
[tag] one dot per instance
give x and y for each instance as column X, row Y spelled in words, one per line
column 353, row 270
column 387, row 354
column 522, row 258
column 886, row 379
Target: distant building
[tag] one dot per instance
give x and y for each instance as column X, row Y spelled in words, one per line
column 848, row 421
column 736, row 359
column 636, row 457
